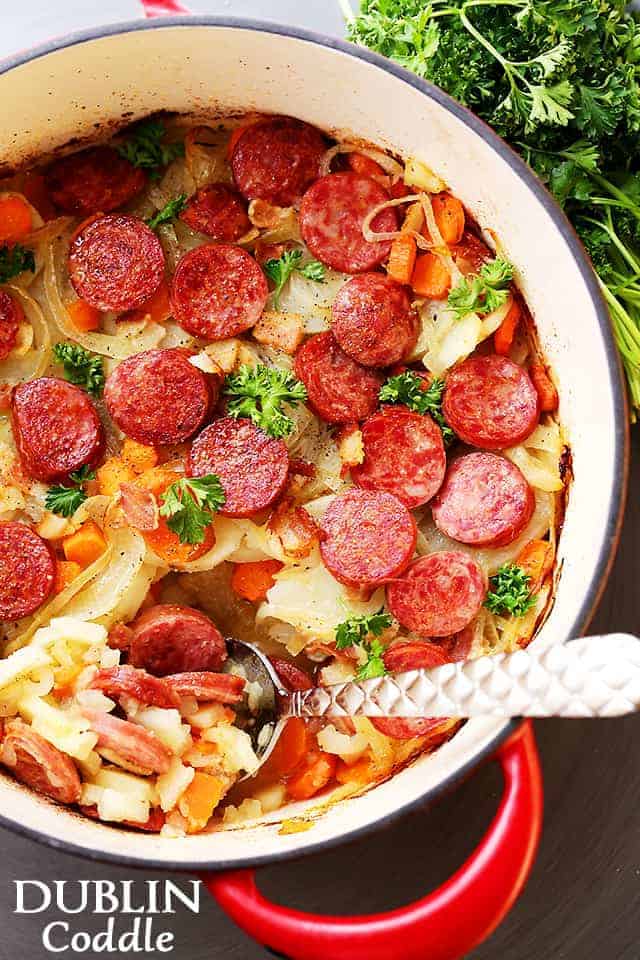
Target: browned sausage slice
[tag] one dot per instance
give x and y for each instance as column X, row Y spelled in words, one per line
column 11, row 316
column 170, row 639
column 36, row 762
column 373, row 320
column 339, row 389
column 277, row 159
column 218, row 211
column 439, row 594
column 27, row 570
column 93, row 181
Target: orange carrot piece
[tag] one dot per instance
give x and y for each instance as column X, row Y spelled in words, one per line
column 66, row 571
column 360, row 772
column 157, row 308
column 139, row 456
column 163, row 541
column 16, row 221
column 536, row 559
column 318, row 770
column 449, row 216
column 83, row 316
column 503, row 337
column 547, row 393
column 365, row 166
column 200, row 799
column 252, row 580
column 402, row 259
column 35, row 190
column 112, row 473
column 430, row 277
column 85, row 545
column 289, row 752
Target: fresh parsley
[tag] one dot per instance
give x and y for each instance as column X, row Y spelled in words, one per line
column 409, row 389
column 509, row 591
column 290, row 262
column 169, row 212
column 15, row 260
column 363, row 632
column 484, row 292
column 80, row 367
column 259, row 393
column 65, row 500
column 143, row 147
column 190, row 504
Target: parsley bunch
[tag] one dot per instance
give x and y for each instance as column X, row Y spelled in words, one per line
column 559, row 80
column 190, row 505
column 509, row 591
column 290, row 262
column 143, row 147
column 362, row 632
column 259, row 393
column 484, row 292
column 80, row 367
column 408, row 388
column 169, row 212
column 65, row 500
column 15, row 260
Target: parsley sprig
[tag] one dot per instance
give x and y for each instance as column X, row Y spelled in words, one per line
column 363, row 632
column 144, row 148
column 290, row 262
column 14, row 260
column 259, row 393
column 169, row 212
column 408, row 388
column 484, row 292
column 80, row 367
column 190, row 504
column 65, row 500
column 509, row 591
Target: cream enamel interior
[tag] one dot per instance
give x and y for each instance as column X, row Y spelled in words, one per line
column 208, row 67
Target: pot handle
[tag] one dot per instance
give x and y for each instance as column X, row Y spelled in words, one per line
column 446, row 924
column 162, row 8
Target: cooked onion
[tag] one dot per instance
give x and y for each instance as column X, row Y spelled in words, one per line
column 388, row 164
column 372, row 237
column 33, row 363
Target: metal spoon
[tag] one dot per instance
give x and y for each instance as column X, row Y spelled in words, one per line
column 595, row 676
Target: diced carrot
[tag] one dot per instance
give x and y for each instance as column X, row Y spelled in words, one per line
column 536, row 559
column 317, row 771
column 402, row 259
column 112, row 473
column 83, row 316
column 157, row 308
column 163, row 541
column 200, row 799
column 365, row 166
column 252, row 580
column 66, row 571
column 288, row 753
column 547, row 393
column 139, row 456
column 503, row 337
column 360, row 772
column 449, row 216
column 16, row 221
column 35, row 190
column 430, row 277
column 85, row 545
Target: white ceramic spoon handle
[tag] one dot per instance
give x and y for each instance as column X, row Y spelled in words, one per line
column 590, row 677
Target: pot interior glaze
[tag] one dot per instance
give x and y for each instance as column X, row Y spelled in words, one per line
column 91, row 83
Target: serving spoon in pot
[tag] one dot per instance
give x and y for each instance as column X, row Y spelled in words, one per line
column 595, row 676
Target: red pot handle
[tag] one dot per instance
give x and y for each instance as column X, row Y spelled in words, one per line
column 162, row 8
column 446, row 924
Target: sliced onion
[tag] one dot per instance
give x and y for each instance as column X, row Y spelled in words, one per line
column 17, row 369
column 372, row 237
column 438, row 246
column 388, row 164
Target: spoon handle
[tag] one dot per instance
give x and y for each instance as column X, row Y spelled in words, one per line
column 590, row 677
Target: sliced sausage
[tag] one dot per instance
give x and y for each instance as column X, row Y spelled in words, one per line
column 27, row 570
column 128, row 681
column 373, row 321
column 415, row 655
column 128, row 744
column 92, row 181
column 170, row 639
column 338, row 388
column 403, row 454
column 56, row 427
column 218, row 211
column 439, row 594
column 485, row 501
column 203, row 685
column 159, row 396
column 116, row 263
column 277, row 159
column 11, row 316
column 252, row 466
column 490, row 402
column 331, row 216
column 291, row 677
column 37, row 763
column 218, row 291
column 405, row 728
column 369, row 537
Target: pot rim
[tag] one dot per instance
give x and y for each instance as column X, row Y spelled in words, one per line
column 616, row 383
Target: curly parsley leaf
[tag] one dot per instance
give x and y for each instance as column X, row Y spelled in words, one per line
column 290, row 262
column 80, row 367
column 14, row 260
column 411, row 389
column 259, row 393
column 190, row 504
column 65, row 500
column 484, row 292
column 362, row 632
column 169, row 212
column 144, row 148
column 509, row 591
